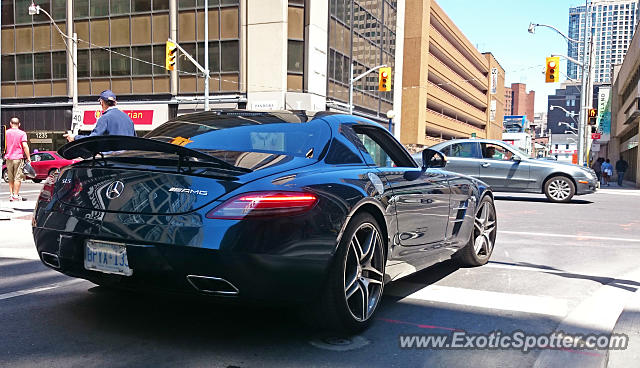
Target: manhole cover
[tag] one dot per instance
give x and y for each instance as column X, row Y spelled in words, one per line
column 339, row 343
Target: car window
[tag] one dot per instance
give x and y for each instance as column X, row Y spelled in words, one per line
column 464, row 150
column 381, row 147
column 46, row 157
column 491, row 151
column 36, row 157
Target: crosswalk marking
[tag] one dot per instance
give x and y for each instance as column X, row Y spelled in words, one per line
column 487, row 299
column 14, row 294
column 590, row 237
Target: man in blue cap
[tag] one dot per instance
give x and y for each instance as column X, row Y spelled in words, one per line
column 112, row 121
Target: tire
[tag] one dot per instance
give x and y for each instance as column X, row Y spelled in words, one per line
column 53, row 172
column 36, row 180
column 482, row 241
column 355, row 274
column 559, row 189
column 5, row 176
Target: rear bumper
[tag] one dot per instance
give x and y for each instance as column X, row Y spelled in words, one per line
column 586, row 186
column 165, row 268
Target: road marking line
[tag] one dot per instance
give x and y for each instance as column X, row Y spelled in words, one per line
column 21, row 192
column 570, row 236
column 491, row 300
column 595, row 315
column 14, row 294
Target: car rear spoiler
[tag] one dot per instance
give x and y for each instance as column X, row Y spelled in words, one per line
column 92, row 146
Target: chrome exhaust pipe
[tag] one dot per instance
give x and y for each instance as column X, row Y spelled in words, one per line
column 50, row 260
column 212, row 285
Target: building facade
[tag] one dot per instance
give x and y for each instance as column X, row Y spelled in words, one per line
column 264, row 55
column 625, row 113
column 613, row 23
column 508, row 96
column 522, row 102
column 450, row 89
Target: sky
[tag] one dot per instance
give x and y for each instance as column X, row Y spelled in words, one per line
column 500, row 27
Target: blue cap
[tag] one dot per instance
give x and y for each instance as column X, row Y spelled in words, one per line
column 107, row 95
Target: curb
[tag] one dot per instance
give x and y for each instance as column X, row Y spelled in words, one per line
column 629, row 324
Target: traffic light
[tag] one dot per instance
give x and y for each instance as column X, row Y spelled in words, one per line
column 170, row 62
column 552, row 74
column 384, row 79
column 592, row 116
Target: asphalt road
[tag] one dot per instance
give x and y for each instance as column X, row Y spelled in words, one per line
column 556, row 266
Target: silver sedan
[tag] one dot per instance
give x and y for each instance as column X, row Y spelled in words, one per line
column 506, row 169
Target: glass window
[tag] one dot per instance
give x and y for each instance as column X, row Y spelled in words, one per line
column 141, row 5
column 7, row 12
column 58, row 9
column 183, row 63
column 163, row 4
column 120, row 7
column 99, row 63
column 214, row 56
column 183, row 4
column 80, row 9
column 24, row 70
column 8, row 68
column 120, row 64
column 465, row 150
column 380, row 156
column 143, row 53
column 59, row 62
column 230, row 55
column 99, row 8
column 492, row 151
column 83, row 63
column 159, row 58
column 295, row 56
column 42, row 66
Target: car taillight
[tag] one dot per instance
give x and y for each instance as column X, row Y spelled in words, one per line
column 264, row 204
column 47, row 190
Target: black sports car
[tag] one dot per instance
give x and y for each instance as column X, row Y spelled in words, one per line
column 281, row 207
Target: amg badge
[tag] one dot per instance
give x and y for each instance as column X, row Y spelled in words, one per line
column 190, row 191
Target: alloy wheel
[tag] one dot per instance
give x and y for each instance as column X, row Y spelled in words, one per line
column 484, row 230
column 559, row 189
column 363, row 272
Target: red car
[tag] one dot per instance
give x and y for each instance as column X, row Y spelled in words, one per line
column 44, row 163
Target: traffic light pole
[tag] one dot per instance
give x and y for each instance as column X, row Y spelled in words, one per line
column 353, row 80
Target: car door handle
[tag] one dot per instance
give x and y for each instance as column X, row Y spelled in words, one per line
column 485, row 164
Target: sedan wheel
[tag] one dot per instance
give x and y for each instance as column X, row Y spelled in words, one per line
column 5, row 176
column 355, row 282
column 559, row 189
column 480, row 246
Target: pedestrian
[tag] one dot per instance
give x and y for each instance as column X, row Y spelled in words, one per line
column 597, row 167
column 112, row 121
column 17, row 151
column 621, row 167
column 607, row 171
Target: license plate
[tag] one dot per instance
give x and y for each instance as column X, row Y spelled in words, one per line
column 106, row 257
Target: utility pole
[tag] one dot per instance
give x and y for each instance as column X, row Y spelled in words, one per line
column 173, row 34
column 353, row 80
column 206, row 55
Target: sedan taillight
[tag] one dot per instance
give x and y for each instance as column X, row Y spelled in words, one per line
column 264, row 204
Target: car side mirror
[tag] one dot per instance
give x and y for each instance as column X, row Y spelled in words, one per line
column 433, row 159
column 516, row 158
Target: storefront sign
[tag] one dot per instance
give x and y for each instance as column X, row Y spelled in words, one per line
column 596, row 135
column 603, row 122
column 139, row 117
column 494, row 81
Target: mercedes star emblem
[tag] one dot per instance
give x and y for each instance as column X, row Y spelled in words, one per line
column 115, row 189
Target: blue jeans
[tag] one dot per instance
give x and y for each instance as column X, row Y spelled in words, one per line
column 620, row 177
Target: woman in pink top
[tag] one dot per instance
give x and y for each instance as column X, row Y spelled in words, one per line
column 17, row 150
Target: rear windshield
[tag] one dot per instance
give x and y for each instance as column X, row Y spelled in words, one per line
column 244, row 135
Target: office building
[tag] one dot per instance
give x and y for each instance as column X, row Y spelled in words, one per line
column 613, row 23
column 264, row 55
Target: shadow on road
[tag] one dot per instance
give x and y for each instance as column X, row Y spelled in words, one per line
column 537, row 199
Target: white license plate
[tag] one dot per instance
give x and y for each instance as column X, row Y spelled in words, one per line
column 106, row 257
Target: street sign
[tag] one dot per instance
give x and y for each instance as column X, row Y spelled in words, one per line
column 596, row 136
column 76, row 120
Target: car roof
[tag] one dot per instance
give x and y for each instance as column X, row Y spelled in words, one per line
column 479, row 140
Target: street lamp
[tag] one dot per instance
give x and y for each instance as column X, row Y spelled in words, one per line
column 390, row 115
column 570, row 132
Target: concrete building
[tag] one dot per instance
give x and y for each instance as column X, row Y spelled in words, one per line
column 264, row 55
column 450, row 89
column 614, row 23
column 522, row 102
column 625, row 112
column 540, row 124
column 508, row 96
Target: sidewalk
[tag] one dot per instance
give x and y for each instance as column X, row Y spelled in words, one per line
column 16, row 210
